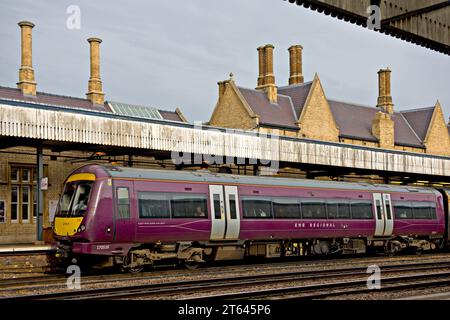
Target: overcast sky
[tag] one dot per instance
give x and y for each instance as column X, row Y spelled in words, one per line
column 172, row 53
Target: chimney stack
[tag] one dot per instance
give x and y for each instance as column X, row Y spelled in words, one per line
column 269, row 77
column 95, row 91
column 384, row 93
column 383, row 129
column 262, row 72
column 26, row 73
column 266, row 78
column 295, row 63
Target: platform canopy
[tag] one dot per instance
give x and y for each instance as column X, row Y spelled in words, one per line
column 424, row 22
column 61, row 129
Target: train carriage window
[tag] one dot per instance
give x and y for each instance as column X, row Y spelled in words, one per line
column 424, row 210
column 286, row 208
column 338, row 209
column 189, row 206
column 403, row 210
column 361, row 209
column 433, row 210
column 313, row 209
column 153, row 205
column 123, row 203
column 257, row 207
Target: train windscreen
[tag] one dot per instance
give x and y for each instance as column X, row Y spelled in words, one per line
column 74, row 200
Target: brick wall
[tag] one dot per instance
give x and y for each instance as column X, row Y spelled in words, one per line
column 230, row 111
column 316, row 120
column 437, row 140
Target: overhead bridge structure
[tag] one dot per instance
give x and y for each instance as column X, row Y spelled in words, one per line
column 424, row 22
column 63, row 129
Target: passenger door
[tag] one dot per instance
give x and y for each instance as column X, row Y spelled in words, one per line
column 124, row 222
column 389, row 218
column 224, row 207
column 233, row 222
column 383, row 215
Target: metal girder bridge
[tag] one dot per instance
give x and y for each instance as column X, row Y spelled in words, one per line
column 423, row 22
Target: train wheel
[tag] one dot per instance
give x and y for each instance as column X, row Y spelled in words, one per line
column 126, row 268
column 390, row 248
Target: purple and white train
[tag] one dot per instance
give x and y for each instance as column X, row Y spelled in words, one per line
column 139, row 217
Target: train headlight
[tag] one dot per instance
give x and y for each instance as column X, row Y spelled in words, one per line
column 81, row 228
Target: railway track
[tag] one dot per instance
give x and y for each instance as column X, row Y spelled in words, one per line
column 33, row 282
column 262, row 285
column 330, row 290
column 21, row 270
column 24, row 253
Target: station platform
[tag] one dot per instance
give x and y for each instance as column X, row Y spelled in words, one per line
column 24, row 248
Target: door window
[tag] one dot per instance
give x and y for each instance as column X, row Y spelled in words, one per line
column 388, row 209
column 217, row 211
column 233, row 213
column 123, row 203
column 379, row 212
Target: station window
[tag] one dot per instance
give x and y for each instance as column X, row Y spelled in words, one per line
column 153, row 205
column 403, row 210
column 257, row 207
column 189, row 206
column 314, row 209
column 286, row 208
column 2, row 211
column 22, row 194
column 14, row 203
column 26, row 203
column 361, row 209
column 338, row 209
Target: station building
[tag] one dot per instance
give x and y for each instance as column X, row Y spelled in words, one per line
column 302, row 109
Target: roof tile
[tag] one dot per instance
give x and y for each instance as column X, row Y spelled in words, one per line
column 170, row 115
column 69, row 102
column 51, row 99
column 298, row 94
column 355, row 121
column 281, row 114
column 419, row 119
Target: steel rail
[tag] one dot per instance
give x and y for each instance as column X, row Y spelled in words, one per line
column 319, row 291
column 189, row 286
column 229, row 269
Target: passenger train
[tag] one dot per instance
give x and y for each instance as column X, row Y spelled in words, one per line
column 133, row 218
